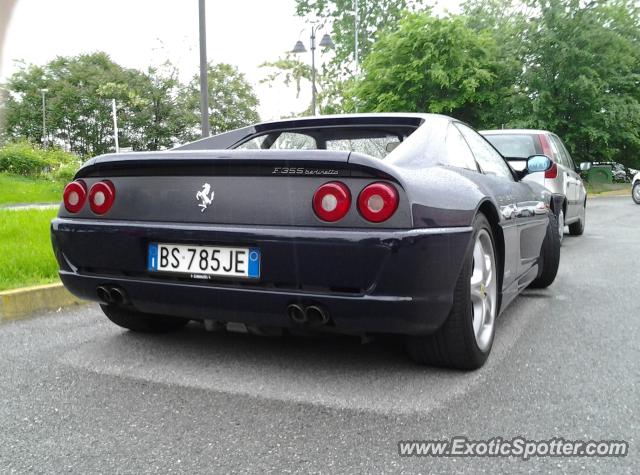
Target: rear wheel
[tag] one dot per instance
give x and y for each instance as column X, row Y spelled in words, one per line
column 635, row 193
column 464, row 341
column 577, row 228
column 142, row 322
column 549, row 256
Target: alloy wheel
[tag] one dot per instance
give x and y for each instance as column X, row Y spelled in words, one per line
column 484, row 290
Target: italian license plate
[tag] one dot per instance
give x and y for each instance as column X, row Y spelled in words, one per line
column 204, row 261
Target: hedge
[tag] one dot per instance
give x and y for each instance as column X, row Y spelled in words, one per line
column 22, row 158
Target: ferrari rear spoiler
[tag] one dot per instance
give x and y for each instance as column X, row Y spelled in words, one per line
column 237, row 163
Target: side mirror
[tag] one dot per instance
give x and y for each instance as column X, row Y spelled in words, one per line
column 538, row 163
column 585, row 166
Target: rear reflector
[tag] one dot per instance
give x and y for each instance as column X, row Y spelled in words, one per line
column 332, row 201
column 102, row 196
column 377, row 202
column 74, row 196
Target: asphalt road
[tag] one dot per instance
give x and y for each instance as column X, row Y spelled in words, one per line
column 80, row 395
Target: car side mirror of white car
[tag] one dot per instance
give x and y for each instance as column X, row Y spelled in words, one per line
column 538, row 163
column 585, row 166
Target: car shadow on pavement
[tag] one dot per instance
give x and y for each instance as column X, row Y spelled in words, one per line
column 330, row 370
column 328, row 350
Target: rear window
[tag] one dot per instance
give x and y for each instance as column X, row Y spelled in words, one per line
column 378, row 147
column 515, row 145
column 377, row 142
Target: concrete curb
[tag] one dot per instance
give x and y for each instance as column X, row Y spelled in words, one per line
column 21, row 206
column 21, row 303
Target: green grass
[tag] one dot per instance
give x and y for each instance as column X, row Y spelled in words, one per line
column 599, row 188
column 18, row 189
column 26, row 256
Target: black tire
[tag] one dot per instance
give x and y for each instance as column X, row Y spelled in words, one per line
column 549, row 256
column 142, row 322
column 454, row 344
column 577, row 228
column 635, row 193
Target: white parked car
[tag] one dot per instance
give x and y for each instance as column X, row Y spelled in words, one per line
column 635, row 188
column 516, row 145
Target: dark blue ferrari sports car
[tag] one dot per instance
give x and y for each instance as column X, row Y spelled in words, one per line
column 406, row 224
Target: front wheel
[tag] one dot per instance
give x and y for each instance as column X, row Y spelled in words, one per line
column 635, row 192
column 465, row 339
column 142, row 322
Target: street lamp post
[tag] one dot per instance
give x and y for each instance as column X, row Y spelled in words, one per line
column 114, row 112
column 325, row 42
column 204, row 82
column 44, row 117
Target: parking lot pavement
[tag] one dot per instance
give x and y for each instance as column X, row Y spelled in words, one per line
column 81, row 395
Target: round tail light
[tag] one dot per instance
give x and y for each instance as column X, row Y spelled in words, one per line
column 101, row 196
column 377, row 202
column 74, row 196
column 332, row 201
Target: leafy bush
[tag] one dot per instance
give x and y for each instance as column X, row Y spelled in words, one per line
column 22, row 158
column 66, row 172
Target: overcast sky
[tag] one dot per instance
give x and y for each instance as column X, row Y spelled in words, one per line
column 139, row 33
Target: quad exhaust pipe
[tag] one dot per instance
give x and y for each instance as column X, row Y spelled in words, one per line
column 311, row 315
column 112, row 295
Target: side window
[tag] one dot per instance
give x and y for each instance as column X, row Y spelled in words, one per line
column 490, row 161
column 458, row 152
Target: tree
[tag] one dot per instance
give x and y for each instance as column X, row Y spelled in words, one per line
column 291, row 70
column 232, row 102
column 373, row 18
column 157, row 119
column 581, row 77
column 507, row 21
column 22, row 103
column 78, row 107
column 154, row 109
column 431, row 64
column 339, row 74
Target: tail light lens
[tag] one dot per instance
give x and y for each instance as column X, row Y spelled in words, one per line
column 548, row 151
column 552, row 172
column 332, row 201
column 377, row 202
column 546, row 146
column 74, row 196
column 102, row 196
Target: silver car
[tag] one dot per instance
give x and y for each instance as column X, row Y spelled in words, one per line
column 563, row 178
column 635, row 188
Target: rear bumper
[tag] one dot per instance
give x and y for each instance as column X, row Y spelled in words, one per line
column 395, row 281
